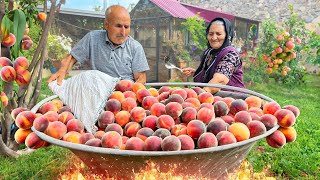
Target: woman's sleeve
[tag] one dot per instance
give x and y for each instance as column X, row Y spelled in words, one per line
column 228, row 64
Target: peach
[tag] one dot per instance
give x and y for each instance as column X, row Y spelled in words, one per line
column 150, row 122
column 63, row 109
column 240, row 131
column 131, row 129
column 207, row 105
column 187, row 104
column 84, row 137
column 171, row 143
column 153, row 143
column 179, row 129
column 225, row 137
column 253, row 101
column 220, row 108
column 254, row 116
column 137, row 86
column 256, row 128
column 228, row 119
column 195, row 128
column 142, row 93
column 217, row 125
column 48, row 106
column 4, row 61
column 105, row 118
column 154, row 92
column 187, row 142
column 130, row 94
column 162, row 133
column 196, row 103
column 42, row 16
column 243, row 117
column 256, row 110
column 165, row 121
column 148, row 101
column 41, row 123
column 122, row 118
column 181, row 92
column 144, row 133
column 8, row 74
column 238, row 105
column 9, row 41
column 4, row 99
column 290, row 133
column 94, row 142
column 20, row 63
column 124, row 139
column 158, row 109
column 58, row 103
column 111, row 139
column 23, row 77
column 175, row 98
column 114, row 127
column 198, row 90
column 207, row 140
column 26, row 44
column 72, row 136
column 75, row 125
column 51, row 116
column 135, row 143
column 164, row 89
column 118, row 95
column 56, row 129
column 33, row 141
column 137, row 114
column 173, row 109
column 217, row 98
column 276, row 139
column 269, row 120
column 190, row 93
column 21, row 134
column 100, row 133
column 124, row 85
column 294, row 109
column 205, row 115
column 228, row 100
column 16, row 111
column 113, row 105
column 25, row 119
column 285, row 117
column 163, row 96
column 271, row 107
column 206, row 97
column 65, row 116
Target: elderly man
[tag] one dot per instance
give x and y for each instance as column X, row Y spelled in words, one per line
column 111, row 51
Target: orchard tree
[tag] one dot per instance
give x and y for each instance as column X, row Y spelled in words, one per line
column 21, row 78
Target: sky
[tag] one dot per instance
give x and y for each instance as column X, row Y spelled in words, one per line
column 90, row 4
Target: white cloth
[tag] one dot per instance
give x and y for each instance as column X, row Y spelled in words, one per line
column 86, row 94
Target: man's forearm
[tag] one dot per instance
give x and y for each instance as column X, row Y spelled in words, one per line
column 67, row 63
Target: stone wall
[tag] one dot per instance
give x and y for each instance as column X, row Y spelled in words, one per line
column 262, row 9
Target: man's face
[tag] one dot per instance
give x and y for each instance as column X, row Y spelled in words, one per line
column 118, row 27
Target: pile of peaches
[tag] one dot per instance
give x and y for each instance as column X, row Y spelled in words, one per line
column 166, row 119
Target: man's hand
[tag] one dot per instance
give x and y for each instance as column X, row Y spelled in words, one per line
column 59, row 76
column 66, row 64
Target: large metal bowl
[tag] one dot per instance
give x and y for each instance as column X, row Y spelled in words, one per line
column 210, row 163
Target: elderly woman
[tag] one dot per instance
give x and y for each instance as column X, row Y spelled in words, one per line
column 220, row 62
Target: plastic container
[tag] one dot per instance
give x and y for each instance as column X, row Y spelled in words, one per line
column 209, row 163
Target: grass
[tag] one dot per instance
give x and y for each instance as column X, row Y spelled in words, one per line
column 297, row 160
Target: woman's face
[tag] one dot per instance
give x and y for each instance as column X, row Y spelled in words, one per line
column 216, row 35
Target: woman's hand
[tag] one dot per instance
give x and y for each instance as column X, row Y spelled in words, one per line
column 188, row 71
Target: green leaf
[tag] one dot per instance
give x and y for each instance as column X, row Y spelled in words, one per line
column 6, row 26
column 19, row 26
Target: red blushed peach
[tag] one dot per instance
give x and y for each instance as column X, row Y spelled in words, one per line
column 205, row 115
column 217, row 98
column 164, row 89
column 137, row 114
column 175, row 98
column 269, row 120
column 154, row 92
column 75, row 125
column 42, row 16
column 114, row 127
column 148, row 101
column 130, row 94
column 16, row 111
column 131, row 129
column 240, row 131
column 163, row 96
column 9, row 41
column 100, row 133
column 4, row 61
column 144, row 133
column 72, row 136
column 58, row 103
column 285, row 117
column 153, row 143
column 256, row 110
column 171, row 143
column 228, row 119
column 271, row 107
column 195, row 128
column 290, row 133
column 118, row 95
column 206, row 97
column 228, row 101
column 225, row 137
column 165, row 121
column 181, row 92
column 66, row 116
column 63, row 109
column 33, row 141
column 162, row 133
column 8, row 74
column 23, row 77
column 191, row 93
column 142, row 93
column 187, row 142
column 294, row 109
column 254, row 116
column 105, row 118
column 217, row 125
column 187, row 104
column 207, row 105
column 179, row 129
column 113, row 105
column 20, row 63
column 220, row 108
column 238, row 105
column 173, row 109
column 25, row 119
column 137, row 86
column 56, row 129
column 21, row 134
column 135, row 144
column 276, row 139
column 41, row 123
column 256, row 128
column 85, row 137
column 122, row 118
column 198, row 90
column 243, row 117
column 95, row 142
column 111, row 139
column 196, row 103
column 207, row 140
column 253, row 101
column 48, row 106
column 124, row 85
column 150, row 122
column 158, row 109
column 26, row 44
column 51, row 116
column 4, row 99
column 124, row 139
